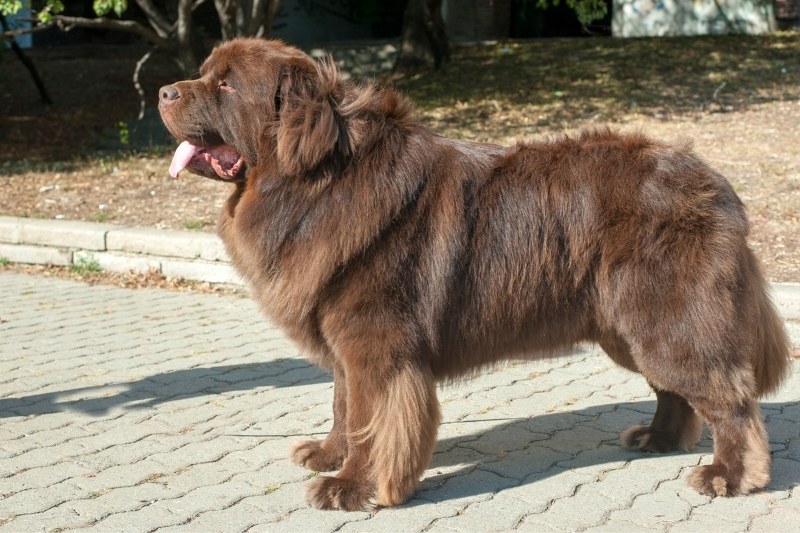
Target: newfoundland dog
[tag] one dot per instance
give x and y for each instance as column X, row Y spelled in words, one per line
column 397, row 258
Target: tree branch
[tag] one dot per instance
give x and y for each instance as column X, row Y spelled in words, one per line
column 9, row 35
column 128, row 26
column 160, row 24
column 139, row 90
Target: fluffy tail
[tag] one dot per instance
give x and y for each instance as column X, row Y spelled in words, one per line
column 771, row 357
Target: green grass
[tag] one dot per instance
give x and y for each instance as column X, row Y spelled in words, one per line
column 100, row 216
column 4, row 261
column 194, row 225
column 85, row 265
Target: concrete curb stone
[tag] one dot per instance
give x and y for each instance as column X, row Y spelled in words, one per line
column 38, row 255
column 167, row 243
column 185, row 254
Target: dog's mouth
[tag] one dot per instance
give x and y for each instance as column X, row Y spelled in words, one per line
column 220, row 162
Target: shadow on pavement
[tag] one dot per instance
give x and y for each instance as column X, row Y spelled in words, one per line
column 166, row 387
column 515, row 451
column 526, row 450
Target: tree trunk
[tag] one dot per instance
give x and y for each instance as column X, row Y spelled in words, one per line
column 43, row 94
column 187, row 60
column 226, row 11
column 269, row 18
column 246, row 18
column 424, row 37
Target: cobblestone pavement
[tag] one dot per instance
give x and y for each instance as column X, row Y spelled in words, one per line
column 141, row 410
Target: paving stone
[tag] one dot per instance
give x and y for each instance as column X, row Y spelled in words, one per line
column 415, row 515
column 63, row 515
column 147, row 517
column 40, row 477
column 618, row 525
column 307, row 519
column 659, row 508
column 728, row 514
column 238, row 517
column 500, row 513
column 472, row 486
column 519, row 464
column 785, row 472
column 139, row 410
column 105, row 501
column 778, row 519
column 578, row 511
column 278, row 500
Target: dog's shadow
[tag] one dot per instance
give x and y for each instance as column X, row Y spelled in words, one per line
column 505, row 453
column 166, row 387
column 474, row 456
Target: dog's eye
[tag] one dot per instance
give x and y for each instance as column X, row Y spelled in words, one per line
column 222, row 85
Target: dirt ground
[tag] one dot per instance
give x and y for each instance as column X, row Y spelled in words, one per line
column 755, row 143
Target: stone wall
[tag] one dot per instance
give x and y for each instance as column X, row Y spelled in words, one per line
column 657, row 18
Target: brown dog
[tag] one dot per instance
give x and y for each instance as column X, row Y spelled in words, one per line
column 398, row 258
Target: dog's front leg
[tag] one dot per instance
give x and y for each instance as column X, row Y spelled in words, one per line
column 329, row 454
column 392, row 420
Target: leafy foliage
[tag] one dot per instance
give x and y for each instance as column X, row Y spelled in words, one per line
column 587, row 10
column 10, row 7
column 104, row 7
column 170, row 24
column 44, row 9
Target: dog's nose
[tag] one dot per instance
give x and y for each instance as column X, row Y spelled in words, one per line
column 168, row 93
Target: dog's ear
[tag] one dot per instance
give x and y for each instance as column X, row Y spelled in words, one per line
column 312, row 132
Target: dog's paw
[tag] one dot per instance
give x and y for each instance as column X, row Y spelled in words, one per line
column 716, row 480
column 336, row 493
column 314, row 455
column 646, row 439
column 712, row 480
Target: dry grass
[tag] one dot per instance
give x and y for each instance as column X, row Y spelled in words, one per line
column 737, row 97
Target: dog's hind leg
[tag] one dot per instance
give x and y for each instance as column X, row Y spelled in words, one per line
column 741, row 453
column 703, row 365
column 675, row 425
column 329, row 454
column 723, row 394
column 757, row 360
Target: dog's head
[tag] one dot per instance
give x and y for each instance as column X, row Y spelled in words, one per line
column 257, row 103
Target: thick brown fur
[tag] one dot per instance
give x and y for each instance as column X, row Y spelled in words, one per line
column 397, row 258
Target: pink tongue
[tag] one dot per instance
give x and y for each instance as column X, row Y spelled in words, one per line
column 183, row 155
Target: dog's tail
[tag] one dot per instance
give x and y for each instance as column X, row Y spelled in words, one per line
column 772, row 349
